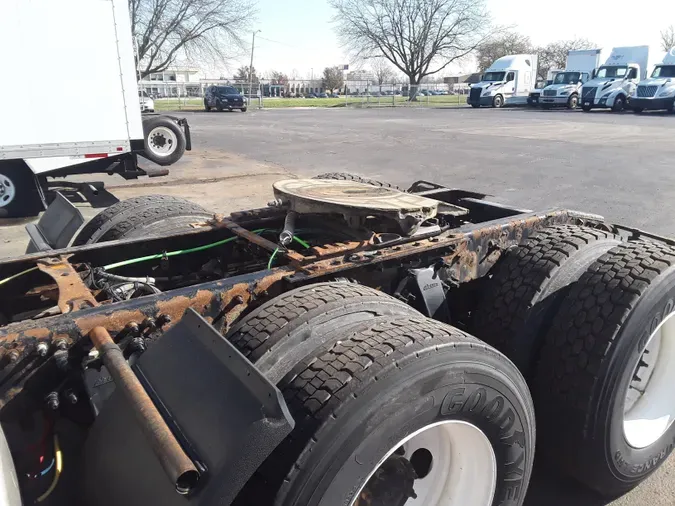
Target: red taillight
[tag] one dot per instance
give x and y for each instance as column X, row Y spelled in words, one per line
column 96, row 155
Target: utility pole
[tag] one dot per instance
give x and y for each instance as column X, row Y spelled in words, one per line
column 311, row 79
column 250, row 69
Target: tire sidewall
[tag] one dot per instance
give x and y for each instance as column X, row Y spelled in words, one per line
column 629, row 464
column 573, row 102
column 163, row 159
column 498, row 101
column 430, row 389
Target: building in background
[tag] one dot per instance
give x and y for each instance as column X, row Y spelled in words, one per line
column 173, row 82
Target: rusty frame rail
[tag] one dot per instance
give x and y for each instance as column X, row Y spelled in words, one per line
column 466, row 253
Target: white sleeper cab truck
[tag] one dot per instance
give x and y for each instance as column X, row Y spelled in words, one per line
column 615, row 81
column 564, row 91
column 657, row 92
column 84, row 116
column 508, row 81
column 535, row 94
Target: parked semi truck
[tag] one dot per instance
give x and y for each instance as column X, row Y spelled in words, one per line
column 535, row 94
column 73, row 107
column 579, row 69
column 508, row 81
column 615, row 81
column 658, row 91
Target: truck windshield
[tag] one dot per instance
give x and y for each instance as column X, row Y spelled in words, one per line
column 494, row 76
column 567, row 78
column 604, row 72
column 228, row 90
column 664, row 71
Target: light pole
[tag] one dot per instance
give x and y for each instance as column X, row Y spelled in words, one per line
column 311, row 79
column 250, row 68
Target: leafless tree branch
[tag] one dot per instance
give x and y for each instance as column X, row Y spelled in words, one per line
column 418, row 37
column 668, row 38
column 195, row 29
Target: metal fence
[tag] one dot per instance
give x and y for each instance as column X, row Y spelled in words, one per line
column 189, row 96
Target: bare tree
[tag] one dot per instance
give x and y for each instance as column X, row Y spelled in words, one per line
column 277, row 77
column 554, row 55
column 419, row 37
column 244, row 75
column 501, row 45
column 668, row 38
column 197, row 29
column 382, row 71
column 332, row 78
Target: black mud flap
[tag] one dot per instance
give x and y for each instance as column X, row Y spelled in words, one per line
column 224, row 413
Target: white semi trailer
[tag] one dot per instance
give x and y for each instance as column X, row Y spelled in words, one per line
column 616, row 80
column 658, row 91
column 579, row 69
column 508, row 81
column 73, row 107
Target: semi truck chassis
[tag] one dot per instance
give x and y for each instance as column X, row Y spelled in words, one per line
column 149, row 312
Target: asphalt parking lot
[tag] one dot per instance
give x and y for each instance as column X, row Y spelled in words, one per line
column 617, row 165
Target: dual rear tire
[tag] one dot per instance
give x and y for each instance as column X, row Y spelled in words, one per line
column 588, row 319
column 388, row 405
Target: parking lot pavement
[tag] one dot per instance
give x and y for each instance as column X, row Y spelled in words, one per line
column 616, row 165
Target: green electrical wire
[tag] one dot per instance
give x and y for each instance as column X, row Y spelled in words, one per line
column 269, row 264
column 14, row 276
column 174, row 253
column 185, row 251
column 156, row 256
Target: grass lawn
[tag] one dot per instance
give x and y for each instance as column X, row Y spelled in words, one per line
column 196, row 104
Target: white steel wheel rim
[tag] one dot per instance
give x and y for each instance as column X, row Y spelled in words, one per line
column 162, row 141
column 649, row 406
column 7, row 190
column 463, row 469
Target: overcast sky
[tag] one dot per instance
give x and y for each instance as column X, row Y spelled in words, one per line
column 304, row 37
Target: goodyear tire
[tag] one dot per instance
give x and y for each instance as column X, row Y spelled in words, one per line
column 529, row 283
column 403, row 406
column 604, row 384
column 287, row 329
column 147, row 215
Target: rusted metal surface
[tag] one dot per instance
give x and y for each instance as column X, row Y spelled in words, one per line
column 465, row 253
column 469, row 252
column 258, row 240
column 73, row 293
column 220, row 302
column 327, row 250
column 177, row 465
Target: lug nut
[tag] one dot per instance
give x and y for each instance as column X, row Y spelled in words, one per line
column 70, row 396
column 163, row 319
column 52, row 400
column 42, row 349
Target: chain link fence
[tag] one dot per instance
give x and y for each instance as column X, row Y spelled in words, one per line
column 189, row 96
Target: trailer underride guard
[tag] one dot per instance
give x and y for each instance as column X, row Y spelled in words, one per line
column 320, row 350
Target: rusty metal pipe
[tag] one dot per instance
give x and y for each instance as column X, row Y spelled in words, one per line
column 176, row 463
